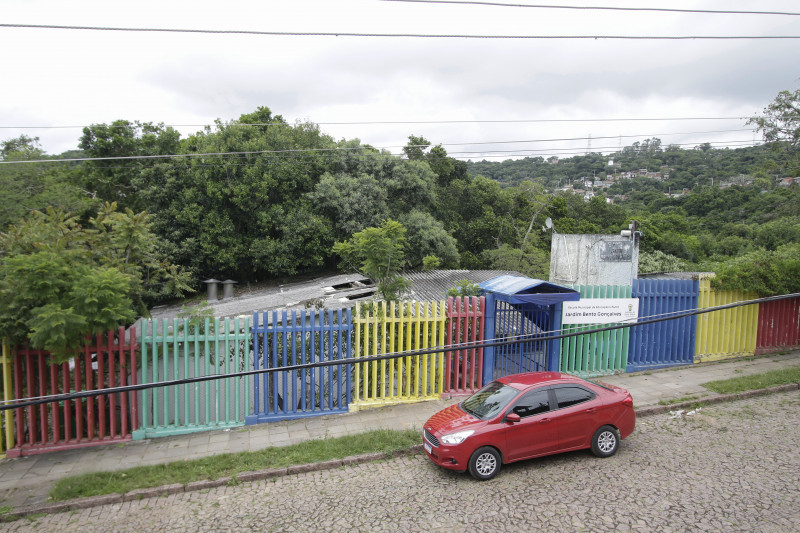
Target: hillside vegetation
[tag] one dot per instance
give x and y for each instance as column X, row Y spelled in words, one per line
column 258, row 198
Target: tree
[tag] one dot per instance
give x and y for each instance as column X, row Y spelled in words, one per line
column 378, row 254
column 427, row 237
column 235, row 214
column 780, row 121
column 780, row 124
column 61, row 281
column 114, row 180
column 351, row 202
column 36, row 186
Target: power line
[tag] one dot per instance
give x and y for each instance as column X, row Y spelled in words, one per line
column 598, row 8
column 347, row 148
column 403, row 35
column 392, row 122
column 283, row 158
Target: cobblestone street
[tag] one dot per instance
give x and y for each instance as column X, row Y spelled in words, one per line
column 729, row 467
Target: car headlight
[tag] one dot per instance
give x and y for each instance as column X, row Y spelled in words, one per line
column 457, row 438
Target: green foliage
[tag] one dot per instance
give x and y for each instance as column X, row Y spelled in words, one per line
column 57, row 299
column 36, row 186
column 528, row 260
column 113, row 181
column 197, row 315
column 426, row 236
column 658, row 261
column 767, row 273
column 431, row 262
column 780, row 124
column 61, row 281
column 766, row 380
column 464, row 287
column 378, row 253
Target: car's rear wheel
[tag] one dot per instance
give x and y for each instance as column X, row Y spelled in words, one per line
column 485, row 463
column 605, row 441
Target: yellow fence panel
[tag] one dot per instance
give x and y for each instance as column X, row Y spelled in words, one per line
column 727, row 333
column 6, row 417
column 381, row 328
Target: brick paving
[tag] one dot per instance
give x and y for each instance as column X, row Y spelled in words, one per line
column 26, row 481
column 731, row 467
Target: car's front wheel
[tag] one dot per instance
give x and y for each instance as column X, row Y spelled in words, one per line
column 605, row 441
column 485, row 463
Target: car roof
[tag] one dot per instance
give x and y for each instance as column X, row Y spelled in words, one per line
column 523, row 381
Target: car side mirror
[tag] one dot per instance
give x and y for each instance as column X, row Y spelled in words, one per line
column 512, row 418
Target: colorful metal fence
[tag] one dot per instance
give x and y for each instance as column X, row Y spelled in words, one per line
column 778, row 326
column 525, row 325
column 185, row 349
column 726, row 333
column 405, row 326
column 463, row 368
column 666, row 343
column 596, row 354
column 76, row 423
column 6, row 384
column 283, row 339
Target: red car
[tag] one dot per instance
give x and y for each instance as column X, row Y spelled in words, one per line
column 528, row 415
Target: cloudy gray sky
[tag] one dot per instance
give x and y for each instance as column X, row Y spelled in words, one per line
column 481, row 98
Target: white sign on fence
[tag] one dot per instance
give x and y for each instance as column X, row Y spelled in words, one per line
column 600, row 311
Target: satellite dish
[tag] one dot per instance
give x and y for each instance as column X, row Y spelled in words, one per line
column 549, row 223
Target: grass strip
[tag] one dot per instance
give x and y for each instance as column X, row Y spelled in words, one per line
column 230, row 464
column 756, row 381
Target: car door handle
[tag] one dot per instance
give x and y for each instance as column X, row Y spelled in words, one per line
column 545, row 420
column 592, row 410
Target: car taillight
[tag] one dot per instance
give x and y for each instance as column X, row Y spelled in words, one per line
column 628, row 401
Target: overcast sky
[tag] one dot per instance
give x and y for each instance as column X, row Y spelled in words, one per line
column 542, row 90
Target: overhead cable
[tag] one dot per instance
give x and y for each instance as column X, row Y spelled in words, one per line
column 401, row 35
column 599, row 8
column 390, row 122
column 348, row 148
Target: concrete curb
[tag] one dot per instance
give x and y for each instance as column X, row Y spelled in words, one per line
column 137, row 494
column 722, row 398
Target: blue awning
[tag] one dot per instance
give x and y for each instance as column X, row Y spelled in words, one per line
column 519, row 290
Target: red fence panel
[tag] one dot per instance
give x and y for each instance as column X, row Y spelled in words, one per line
column 110, row 362
column 778, row 326
column 465, row 325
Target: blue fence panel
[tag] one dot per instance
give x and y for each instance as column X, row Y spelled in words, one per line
column 283, row 338
column 667, row 343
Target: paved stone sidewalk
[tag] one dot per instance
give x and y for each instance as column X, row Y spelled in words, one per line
column 26, row 481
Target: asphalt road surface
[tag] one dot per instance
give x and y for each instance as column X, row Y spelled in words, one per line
column 729, row 467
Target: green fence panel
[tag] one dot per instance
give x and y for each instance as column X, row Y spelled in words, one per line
column 179, row 349
column 595, row 354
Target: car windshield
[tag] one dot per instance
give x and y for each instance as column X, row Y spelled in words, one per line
column 489, row 401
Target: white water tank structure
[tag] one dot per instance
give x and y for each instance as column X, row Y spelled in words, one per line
column 594, row 259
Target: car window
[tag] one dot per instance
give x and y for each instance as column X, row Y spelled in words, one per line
column 567, row 396
column 489, row 401
column 532, row 403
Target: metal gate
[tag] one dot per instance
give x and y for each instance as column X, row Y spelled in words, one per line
column 527, row 323
column 522, row 312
